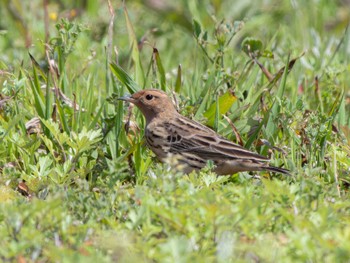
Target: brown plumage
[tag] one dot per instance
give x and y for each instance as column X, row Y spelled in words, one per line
column 172, row 136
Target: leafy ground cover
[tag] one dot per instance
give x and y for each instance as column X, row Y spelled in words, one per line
column 77, row 183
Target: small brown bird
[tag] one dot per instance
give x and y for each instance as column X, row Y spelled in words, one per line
column 172, row 136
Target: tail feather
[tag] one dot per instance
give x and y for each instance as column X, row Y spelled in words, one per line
column 278, row 170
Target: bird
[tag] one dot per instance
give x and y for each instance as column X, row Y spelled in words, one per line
column 172, row 136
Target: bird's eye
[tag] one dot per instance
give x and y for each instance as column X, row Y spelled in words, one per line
column 149, row 97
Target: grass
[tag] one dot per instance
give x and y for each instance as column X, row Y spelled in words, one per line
column 77, row 183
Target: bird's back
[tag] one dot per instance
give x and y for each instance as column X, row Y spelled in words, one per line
column 194, row 144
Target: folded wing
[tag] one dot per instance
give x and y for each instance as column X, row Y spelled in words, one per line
column 185, row 135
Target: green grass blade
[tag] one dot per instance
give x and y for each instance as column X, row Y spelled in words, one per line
column 275, row 109
column 217, row 115
column 37, row 67
column 124, row 78
column 48, row 105
column 160, row 69
column 206, row 92
column 97, row 117
column 139, row 74
column 62, row 117
column 332, row 113
column 38, row 97
column 178, row 82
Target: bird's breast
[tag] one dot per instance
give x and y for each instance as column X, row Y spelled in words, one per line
column 156, row 138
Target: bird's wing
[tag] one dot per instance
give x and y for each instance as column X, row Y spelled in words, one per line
column 187, row 136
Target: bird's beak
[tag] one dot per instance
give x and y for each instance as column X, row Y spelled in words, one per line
column 126, row 98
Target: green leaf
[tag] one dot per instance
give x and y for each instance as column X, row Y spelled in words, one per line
column 10, row 125
column 160, row 68
column 53, row 127
column 43, row 167
column 223, row 103
column 63, row 117
column 36, row 67
column 252, row 45
column 267, row 54
column 124, row 78
column 38, row 94
column 85, row 140
column 196, row 28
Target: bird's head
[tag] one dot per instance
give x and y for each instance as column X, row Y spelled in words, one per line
column 152, row 103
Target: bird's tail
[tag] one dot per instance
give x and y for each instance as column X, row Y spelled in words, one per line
column 278, row 170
